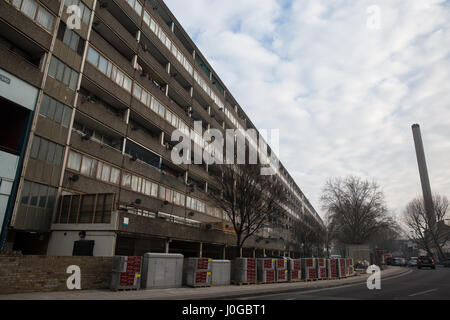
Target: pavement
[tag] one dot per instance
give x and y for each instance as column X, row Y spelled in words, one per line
column 210, row 293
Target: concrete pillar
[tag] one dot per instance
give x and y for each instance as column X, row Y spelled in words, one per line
column 200, row 250
column 166, row 246
column 240, row 252
column 224, row 252
column 425, row 181
column 172, row 26
column 138, row 36
column 264, row 252
column 254, row 253
column 162, row 138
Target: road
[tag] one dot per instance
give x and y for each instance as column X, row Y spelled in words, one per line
column 425, row 284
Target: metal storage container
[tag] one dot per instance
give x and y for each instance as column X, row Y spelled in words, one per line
column 162, row 270
column 221, row 272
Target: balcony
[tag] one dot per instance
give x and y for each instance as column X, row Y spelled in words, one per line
column 21, row 24
column 98, row 150
column 104, row 115
column 123, row 13
column 17, row 65
column 116, row 34
column 94, row 80
column 110, row 52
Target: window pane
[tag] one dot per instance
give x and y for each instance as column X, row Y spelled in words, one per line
column 74, row 162
column 127, row 83
column 43, row 190
column 106, row 172
column 60, row 70
column 45, row 18
column 93, row 56
column 51, row 152
column 52, row 68
column 43, row 150
column 66, row 78
column 74, row 41
column 161, row 110
column 115, row 176
column 126, row 180
column 25, row 193
column 67, row 36
column 58, row 154
column 99, row 170
column 86, row 15
column 51, row 197
column 29, row 8
column 108, row 71
column 103, row 63
column 35, row 147
column 138, row 8
column 66, row 116
column 137, row 91
column 44, row 105
column 34, row 191
column 162, row 192
column 58, row 112
column 17, row 3
column 154, row 190
column 51, row 109
column 73, row 80
column 86, row 166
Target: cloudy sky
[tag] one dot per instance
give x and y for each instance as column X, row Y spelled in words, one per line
column 342, row 80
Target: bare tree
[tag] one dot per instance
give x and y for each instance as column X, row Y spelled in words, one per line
column 310, row 234
column 427, row 231
column 356, row 209
column 248, row 198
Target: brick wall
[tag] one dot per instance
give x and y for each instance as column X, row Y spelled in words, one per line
column 20, row 274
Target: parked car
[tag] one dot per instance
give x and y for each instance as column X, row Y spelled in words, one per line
column 399, row 261
column 426, row 261
column 412, row 262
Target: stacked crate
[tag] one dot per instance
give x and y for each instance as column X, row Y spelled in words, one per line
column 321, row 264
column 126, row 273
column 341, row 268
column 244, row 270
column 281, row 270
column 333, row 268
column 266, row 270
column 197, row 272
column 294, row 270
column 309, row 269
column 349, row 268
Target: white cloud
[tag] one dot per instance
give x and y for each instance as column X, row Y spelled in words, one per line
column 343, row 96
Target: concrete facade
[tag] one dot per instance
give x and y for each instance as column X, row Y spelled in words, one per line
column 96, row 131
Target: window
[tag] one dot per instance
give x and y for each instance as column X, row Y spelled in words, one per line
column 85, row 12
column 70, row 38
column 61, row 72
column 110, row 70
column 35, row 11
column 74, row 162
column 38, row 195
column 46, row 150
column 55, row 111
